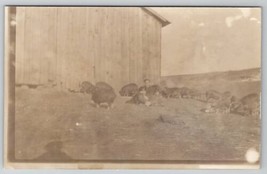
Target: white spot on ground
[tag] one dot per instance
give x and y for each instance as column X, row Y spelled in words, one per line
column 252, row 155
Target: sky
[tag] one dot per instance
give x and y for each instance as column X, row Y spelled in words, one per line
column 201, row 40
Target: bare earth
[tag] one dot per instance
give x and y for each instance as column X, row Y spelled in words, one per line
column 176, row 131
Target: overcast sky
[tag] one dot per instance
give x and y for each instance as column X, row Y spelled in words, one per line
column 200, row 40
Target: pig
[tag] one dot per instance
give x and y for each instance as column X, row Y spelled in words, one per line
column 212, row 95
column 86, row 87
column 195, row 94
column 248, row 105
column 103, row 94
column 223, row 106
column 103, row 85
column 224, row 103
column 185, row 92
column 234, row 104
column 171, row 92
column 129, row 90
column 156, row 100
column 152, row 90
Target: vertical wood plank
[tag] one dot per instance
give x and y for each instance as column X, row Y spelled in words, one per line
column 152, row 49
column 145, row 46
column 110, row 45
column 63, row 45
column 43, row 70
column 158, row 48
column 70, row 61
column 132, row 46
column 47, row 47
column 98, row 43
column 27, row 46
column 140, row 46
column 124, row 37
column 58, row 48
column 135, row 45
column 115, row 49
column 36, row 45
column 51, row 52
column 20, row 26
column 91, row 22
column 78, row 47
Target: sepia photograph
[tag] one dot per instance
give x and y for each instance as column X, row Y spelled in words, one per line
column 132, row 87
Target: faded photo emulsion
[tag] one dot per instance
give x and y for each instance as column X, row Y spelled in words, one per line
column 132, row 87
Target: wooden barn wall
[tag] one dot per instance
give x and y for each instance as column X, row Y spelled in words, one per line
column 151, row 46
column 65, row 46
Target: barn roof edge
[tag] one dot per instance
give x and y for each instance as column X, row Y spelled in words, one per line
column 157, row 16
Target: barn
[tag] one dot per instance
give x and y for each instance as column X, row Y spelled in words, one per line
column 65, row 46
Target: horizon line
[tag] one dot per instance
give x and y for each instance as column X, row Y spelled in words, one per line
column 211, row 72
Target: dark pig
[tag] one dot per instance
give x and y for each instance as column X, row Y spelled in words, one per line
column 86, row 87
column 195, row 94
column 234, row 104
column 212, row 95
column 249, row 105
column 171, row 92
column 103, row 85
column 185, row 92
column 129, row 90
column 152, row 90
column 103, row 94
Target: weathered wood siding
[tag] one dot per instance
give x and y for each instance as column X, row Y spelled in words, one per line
column 66, row 46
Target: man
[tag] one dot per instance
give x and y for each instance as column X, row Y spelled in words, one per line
column 146, row 86
column 140, row 98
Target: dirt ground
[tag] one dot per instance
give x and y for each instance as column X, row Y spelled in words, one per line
column 50, row 122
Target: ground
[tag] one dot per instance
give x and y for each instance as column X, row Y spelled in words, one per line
column 179, row 130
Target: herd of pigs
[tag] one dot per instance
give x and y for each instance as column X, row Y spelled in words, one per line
column 216, row 102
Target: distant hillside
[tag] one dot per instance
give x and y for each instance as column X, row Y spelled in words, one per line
column 241, row 75
column 220, row 81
